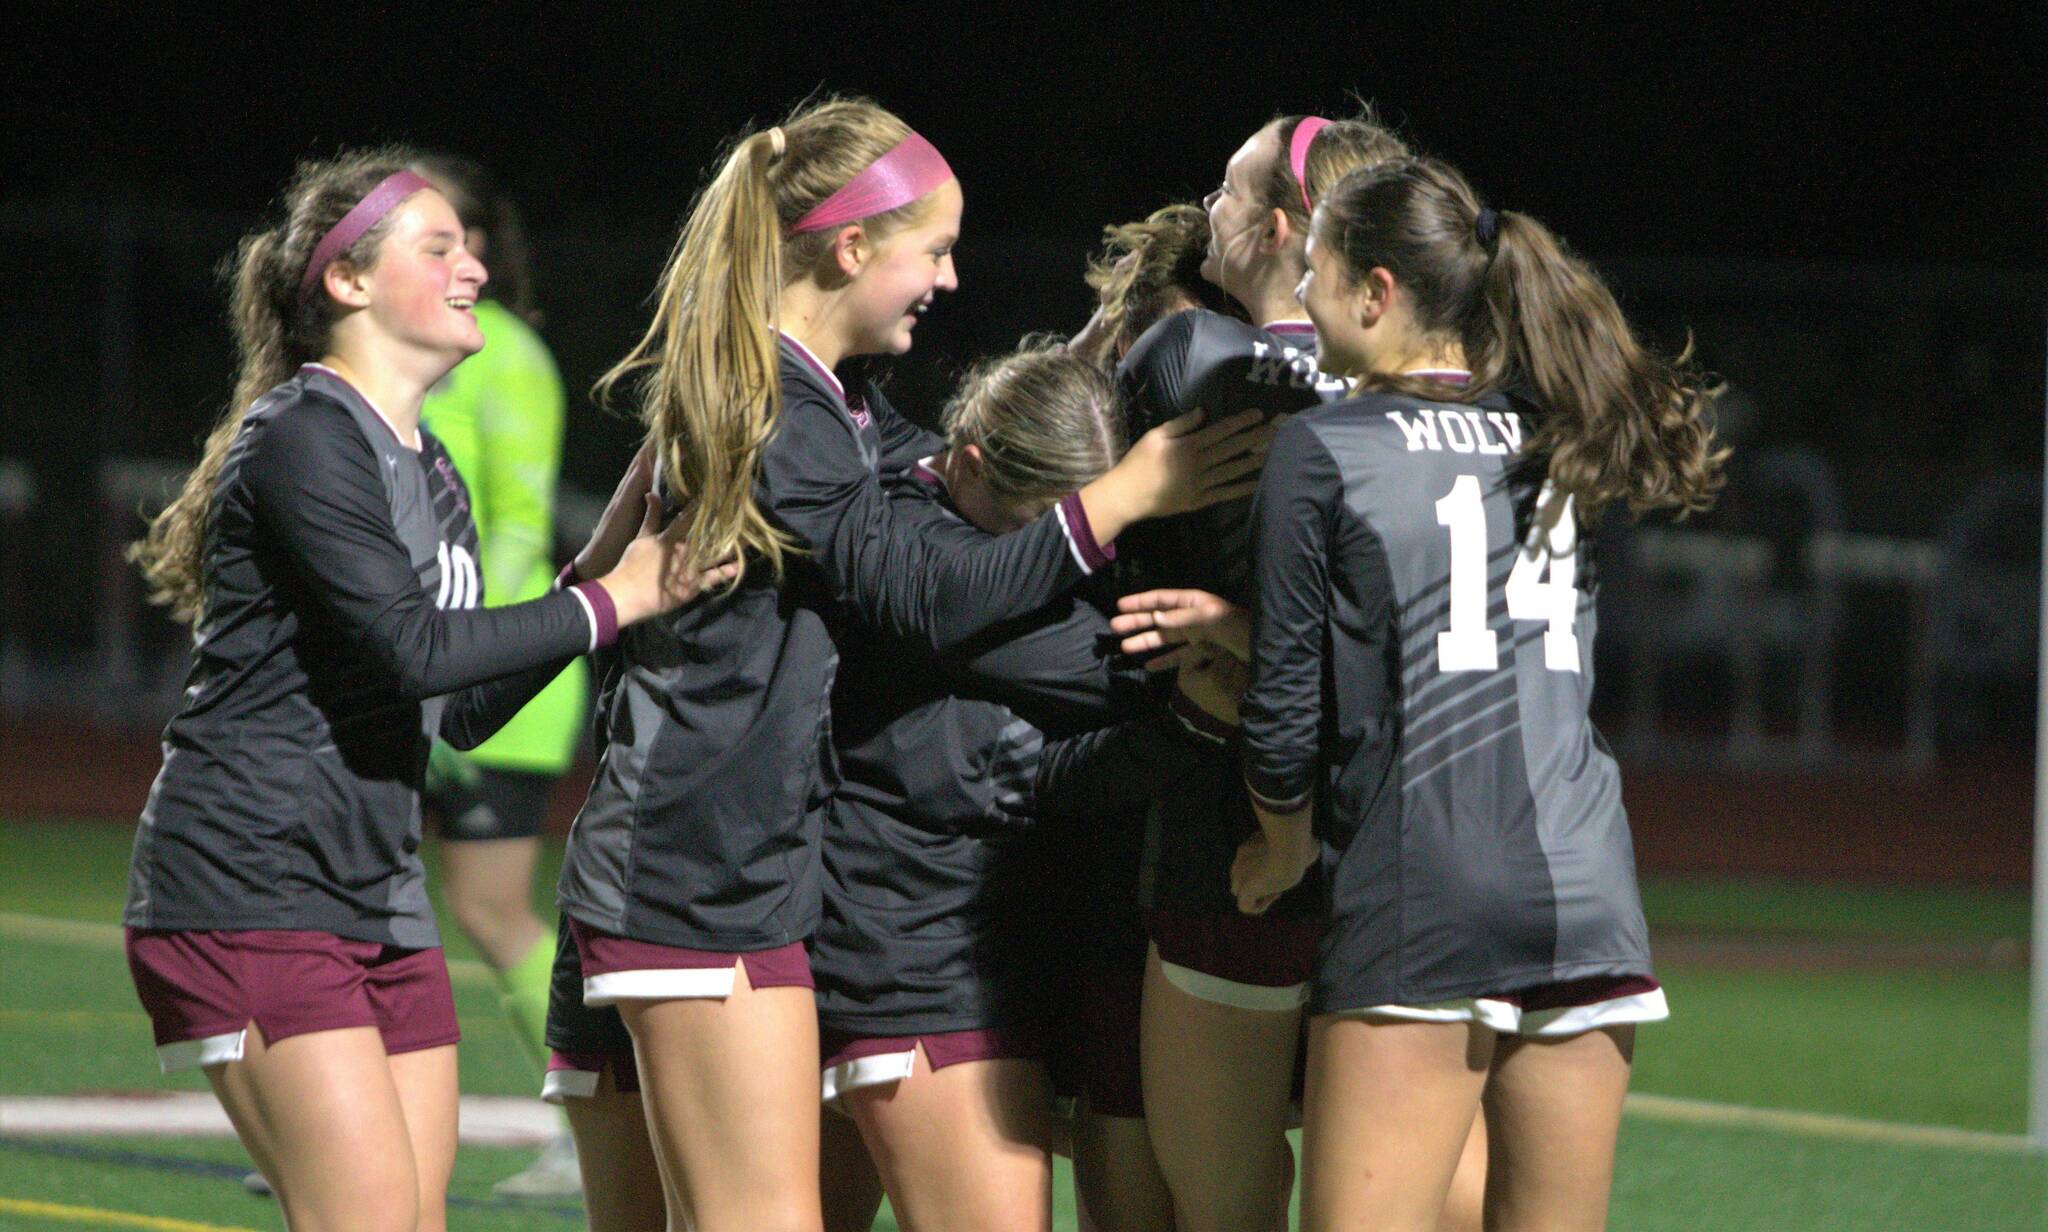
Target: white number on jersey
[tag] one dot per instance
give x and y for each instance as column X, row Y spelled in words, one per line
column 458, row 577
column 1552, row 550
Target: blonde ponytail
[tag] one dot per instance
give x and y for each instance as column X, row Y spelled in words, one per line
column 707, row 372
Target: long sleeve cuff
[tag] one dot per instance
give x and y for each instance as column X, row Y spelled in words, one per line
column 1080, row 536
column 1274, row 795
column 1199, row 722
column 604, row 614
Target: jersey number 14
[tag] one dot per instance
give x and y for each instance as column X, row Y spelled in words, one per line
column 1539, row 587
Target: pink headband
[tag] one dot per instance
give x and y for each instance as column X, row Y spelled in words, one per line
column 911, row 168
column 365, row 214
column 1297, row 154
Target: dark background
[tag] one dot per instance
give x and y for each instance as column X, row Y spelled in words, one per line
column 1842, row 204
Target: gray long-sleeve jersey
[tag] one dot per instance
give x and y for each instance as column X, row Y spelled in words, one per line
column 702, row 826
column 341, row 603
column 1421, row 673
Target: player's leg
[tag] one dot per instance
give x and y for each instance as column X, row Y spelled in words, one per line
column 848, row 1185
column 1554, row 1111
column 1217, row 1080
column 1390, row 1107
column 490, row 827
column 964, row 1147
column 409, row 992
column 428, row 1093
column 731, row 1090
column 321, row 1116
column 1465, row 1205
column 622, row 1190
column 1117, row 1183
column 489, row 887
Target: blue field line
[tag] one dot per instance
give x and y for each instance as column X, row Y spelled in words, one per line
column 235, row 1172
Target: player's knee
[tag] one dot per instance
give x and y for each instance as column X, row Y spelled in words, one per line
column 488, row 912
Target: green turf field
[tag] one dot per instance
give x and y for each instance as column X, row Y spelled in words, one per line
column 1936, row 1044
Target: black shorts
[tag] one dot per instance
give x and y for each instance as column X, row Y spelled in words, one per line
column 500, row 804
column 574, row 1027
column 1201, row 824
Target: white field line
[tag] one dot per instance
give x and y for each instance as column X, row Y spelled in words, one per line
column 1823, row 1125
column 17, row 927
column 1664, row 1108
column 485, row 1120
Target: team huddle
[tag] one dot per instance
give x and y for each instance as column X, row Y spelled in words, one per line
column 1187, row 744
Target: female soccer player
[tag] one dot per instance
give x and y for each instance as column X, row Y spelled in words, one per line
column 943, row 926
column 1423, row 630
column 1147, row 271
column 1222, row 986
column 278, row 925
column 692, row 878
column 501, row 416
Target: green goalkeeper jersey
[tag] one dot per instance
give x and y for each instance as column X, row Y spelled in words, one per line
column 501, row 415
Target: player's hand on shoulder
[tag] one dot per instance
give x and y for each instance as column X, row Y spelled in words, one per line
column 1182, row 465
column 653, row 575
column 623, row 515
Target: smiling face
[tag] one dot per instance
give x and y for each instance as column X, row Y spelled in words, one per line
column 1332, row 302
column 1239, row 223
column 901, row 274
column 423, row 288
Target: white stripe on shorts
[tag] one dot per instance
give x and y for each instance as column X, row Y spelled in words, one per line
column 1232, row 993
column 1511, row 1019
column 865, row 1072
column 195, row 1053
column 561, row 1085
column 658, row 984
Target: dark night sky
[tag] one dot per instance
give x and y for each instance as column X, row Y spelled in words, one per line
column 1851, row 132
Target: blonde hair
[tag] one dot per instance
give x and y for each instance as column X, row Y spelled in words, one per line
column 275, row 332
column 1619, row 423
column 1142, row 266
column 707, row 368
column 1043, row 419
column 1343, row 146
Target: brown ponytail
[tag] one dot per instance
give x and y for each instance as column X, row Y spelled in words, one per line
column 1619, row 423
column 274, row 334
column 709, row 387
column 1143, row 267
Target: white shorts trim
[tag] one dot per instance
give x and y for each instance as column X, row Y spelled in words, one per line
column 198, row 1053
column 558, row 1086
column 865, row 1072
column 659, row 984
column 1513, row 1020
column 1232, row 993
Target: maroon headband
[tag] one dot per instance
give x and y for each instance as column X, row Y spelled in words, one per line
column 1297, row 154
column 366, row 213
